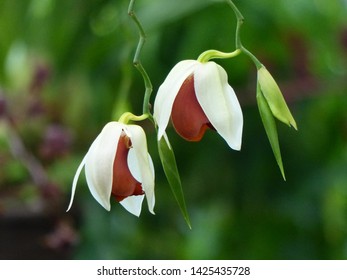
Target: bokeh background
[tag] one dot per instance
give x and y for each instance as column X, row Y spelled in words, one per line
column 66, row 69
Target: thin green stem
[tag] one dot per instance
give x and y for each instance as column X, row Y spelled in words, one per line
column 137, row 61
column 240, row 20
column 214, row 54
column 126, row 117
column 257, row 63
column 238, row 43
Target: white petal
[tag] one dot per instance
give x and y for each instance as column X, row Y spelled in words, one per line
column 99, row 163
column 133, row 204
column 134, row 166
column 140, row 164
column 219, row 102
column 167, row 93
column 74, row 182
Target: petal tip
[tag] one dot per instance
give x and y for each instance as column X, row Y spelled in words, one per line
column 107, row 207
column 70, row 205
column 293, row 123
column 104, row 203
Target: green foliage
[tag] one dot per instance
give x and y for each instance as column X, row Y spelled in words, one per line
column 270, row 127
column 168, row 161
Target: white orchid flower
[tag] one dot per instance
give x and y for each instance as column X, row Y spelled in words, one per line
column 197, row 96
column 117, row 164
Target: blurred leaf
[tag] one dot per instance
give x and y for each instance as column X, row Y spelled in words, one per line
column 166, row 11
column 335, row 211
column 168, row 161
column 17, row 66
column 41, row 8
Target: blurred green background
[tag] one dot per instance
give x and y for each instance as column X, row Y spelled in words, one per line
column 66, row 69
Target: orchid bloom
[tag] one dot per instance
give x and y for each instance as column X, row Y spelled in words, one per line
column 197, row 96
column 117, row 164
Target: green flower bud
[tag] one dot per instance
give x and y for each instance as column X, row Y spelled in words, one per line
column 274, row 97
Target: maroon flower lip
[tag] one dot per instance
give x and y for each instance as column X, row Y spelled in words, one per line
column 124, row 184
column 188, row 118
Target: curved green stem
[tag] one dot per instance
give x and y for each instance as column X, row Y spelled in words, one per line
column 213, row 54
column 238, row 43
column 126, row 117
column 240, row 20
column 137, row 61
column 257, row 63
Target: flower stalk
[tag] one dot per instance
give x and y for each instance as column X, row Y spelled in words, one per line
column 271, row 103
column 214, row 54
column 137, row 62
column 240, row 20
column 126, row 117
column 166, row 153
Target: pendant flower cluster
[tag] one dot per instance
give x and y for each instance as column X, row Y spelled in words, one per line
column 118, row 165
column 197, row 96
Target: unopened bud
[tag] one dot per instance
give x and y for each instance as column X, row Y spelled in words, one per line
column 274, row 97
